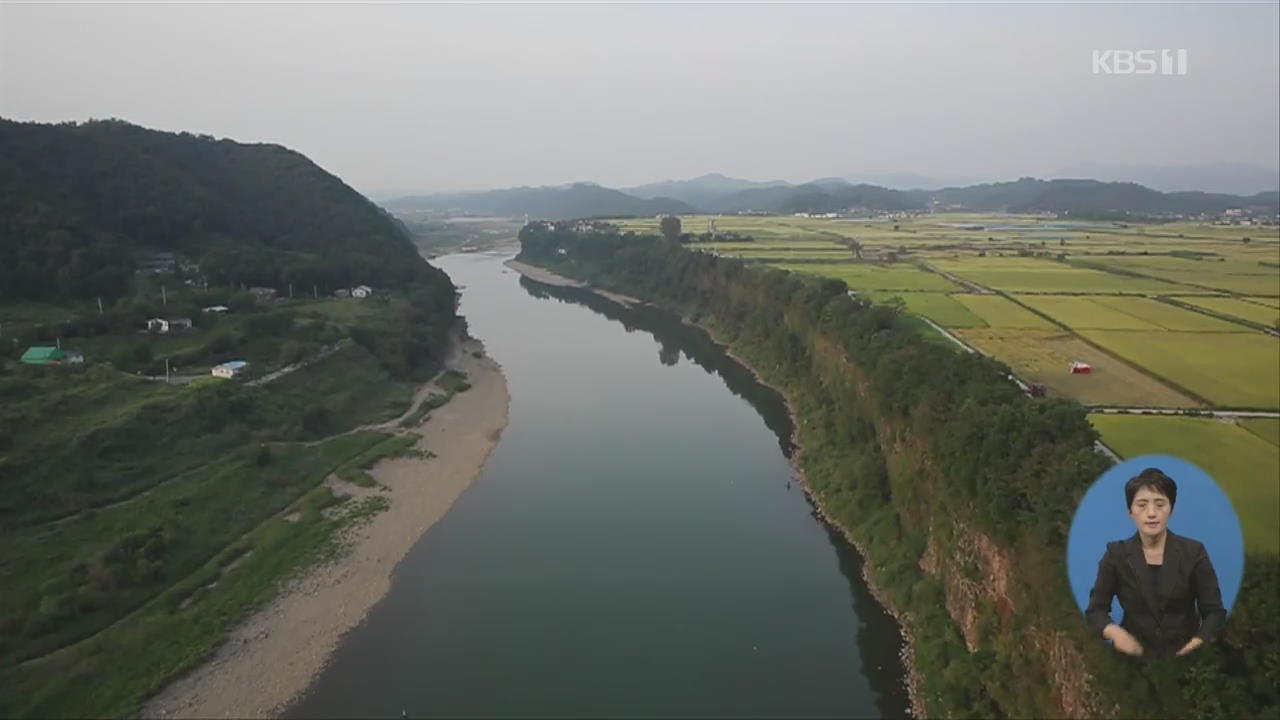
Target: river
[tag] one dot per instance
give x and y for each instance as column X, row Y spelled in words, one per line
column 634, row 547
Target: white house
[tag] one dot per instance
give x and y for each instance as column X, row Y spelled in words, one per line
column 230, row 369
column 361, row 291
column 217, row 309
column 166, row 325
column 263, row 294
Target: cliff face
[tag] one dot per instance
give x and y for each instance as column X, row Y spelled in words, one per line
column 978, row 575
column 957, row 489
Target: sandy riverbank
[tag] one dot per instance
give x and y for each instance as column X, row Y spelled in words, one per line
column 273, row 656
column 547, row 277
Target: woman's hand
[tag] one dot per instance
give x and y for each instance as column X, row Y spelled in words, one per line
column 1192, row 644
column 1122, row 640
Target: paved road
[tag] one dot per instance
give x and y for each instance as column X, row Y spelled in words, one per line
column 1182, row 411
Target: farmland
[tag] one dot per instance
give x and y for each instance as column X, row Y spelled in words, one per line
column 1107, row 312
column 1238, row 275
column 870, row 276
column 1043, row 356
column 1246, row 466
column 1027, row 275
column 1084, row 311
column 944, row 309
column 1039, row 293
column 1266, row 428
column 1001, row 312
column 1227, row 369
column 1250, row 310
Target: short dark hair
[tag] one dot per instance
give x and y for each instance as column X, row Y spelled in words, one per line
column 1152, row 478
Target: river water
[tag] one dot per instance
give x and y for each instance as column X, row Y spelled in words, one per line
column 634, row 547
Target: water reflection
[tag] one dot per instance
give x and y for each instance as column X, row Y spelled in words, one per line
column 677, row 338
column 879, row 636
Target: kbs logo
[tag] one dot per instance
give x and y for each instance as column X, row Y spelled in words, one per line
column 1140, row 62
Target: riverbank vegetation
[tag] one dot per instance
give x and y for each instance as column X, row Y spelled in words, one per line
column 139, row 518
column 959, row 487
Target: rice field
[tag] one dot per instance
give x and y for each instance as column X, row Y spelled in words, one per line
column 1000, row 312
column 1083, row 311
column 1237, row 275
column 1266, row 428
column 1164, row 315
column 871, row 276
column 1227, row 369
column 1240, row 308
column 1246, row 466
column 784, row 251
column 1102, row 279
column 1045, row 357
column 1031, row 275
column 939, row 307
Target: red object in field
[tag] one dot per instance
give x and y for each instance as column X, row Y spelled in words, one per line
column 1079, row 368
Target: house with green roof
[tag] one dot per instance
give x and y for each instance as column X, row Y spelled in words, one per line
column 49, row 355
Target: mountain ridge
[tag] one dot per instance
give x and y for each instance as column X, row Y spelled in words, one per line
column 715, row 193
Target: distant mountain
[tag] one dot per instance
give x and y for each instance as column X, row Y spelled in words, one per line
column 701, row 191
column 823, row 196
column 1230, row 178
column 545, row 203
column 1081, row 198
column 1084, row 198
column 1091, row 198
column 83, row 206
column 910, row 181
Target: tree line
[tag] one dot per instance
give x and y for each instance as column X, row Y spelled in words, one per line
column 908, row 443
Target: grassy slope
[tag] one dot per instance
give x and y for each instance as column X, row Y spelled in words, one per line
column 106, row 584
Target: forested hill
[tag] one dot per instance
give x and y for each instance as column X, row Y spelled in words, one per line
column 84, row 206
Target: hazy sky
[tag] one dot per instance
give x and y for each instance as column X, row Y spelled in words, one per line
column 410, row 97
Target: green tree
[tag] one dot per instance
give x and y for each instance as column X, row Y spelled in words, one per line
column 670, row 227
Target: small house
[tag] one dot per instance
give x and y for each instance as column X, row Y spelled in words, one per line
column 217, row 309
column 49, row 355
column 263, row 294
column 230, row 369
column 168, row 325
column 1079, row 368
column 361, row 291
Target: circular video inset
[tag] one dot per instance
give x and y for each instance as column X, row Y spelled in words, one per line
column 1155, row 557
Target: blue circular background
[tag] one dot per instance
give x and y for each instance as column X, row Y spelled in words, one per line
column 1203, row 512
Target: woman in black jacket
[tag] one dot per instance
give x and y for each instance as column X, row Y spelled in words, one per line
column 1165, row 582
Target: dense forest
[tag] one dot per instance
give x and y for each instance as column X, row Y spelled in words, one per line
column 718, row 194
column 83, row 207
column 959, row 488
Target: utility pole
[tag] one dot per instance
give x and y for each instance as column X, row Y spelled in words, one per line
column 164, row 296
column 99, row 304
column 290, row 291
column 166, row 371
column 315, row 294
